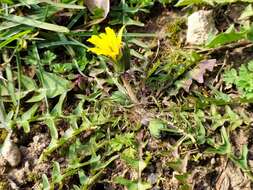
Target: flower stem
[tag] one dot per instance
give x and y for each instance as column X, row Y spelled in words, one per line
column 129, row 90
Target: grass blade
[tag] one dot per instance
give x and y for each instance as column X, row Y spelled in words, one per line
column 36, row 23
column 11, row 39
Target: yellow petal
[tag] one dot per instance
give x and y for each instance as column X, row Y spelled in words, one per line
column 93, row 39
column 99, row 51
column 110, row 33
column 96, row 41
column 107, row 43
column 106, row 40
column 112, row 36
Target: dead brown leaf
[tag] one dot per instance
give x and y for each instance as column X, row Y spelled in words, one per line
column 232, row 178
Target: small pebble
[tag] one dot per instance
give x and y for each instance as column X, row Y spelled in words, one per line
column 213, row 161
column 102, row 4
column 11, row 153
column 152, row 178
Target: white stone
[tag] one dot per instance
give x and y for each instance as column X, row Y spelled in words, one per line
column 200, row 27
column 11, row 153
column 102, row 4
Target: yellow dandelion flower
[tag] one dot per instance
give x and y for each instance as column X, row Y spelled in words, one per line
column 108, row 43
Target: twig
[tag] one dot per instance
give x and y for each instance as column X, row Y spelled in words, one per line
column 243, row 43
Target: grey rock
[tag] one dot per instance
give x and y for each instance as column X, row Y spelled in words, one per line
column 102, row 4
column 11, row 153
column 200, row 27
column 152, row 178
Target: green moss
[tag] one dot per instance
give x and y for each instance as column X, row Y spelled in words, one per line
column 3, row 135
column 4, row 185
column 174, row 29
column 32, row 177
